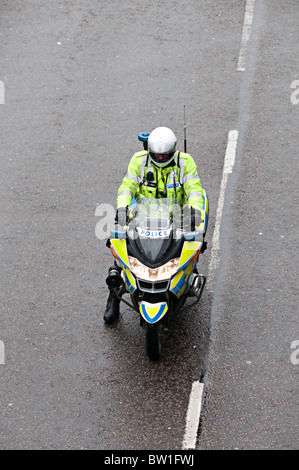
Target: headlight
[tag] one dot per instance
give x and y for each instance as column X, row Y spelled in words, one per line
column 163, row 272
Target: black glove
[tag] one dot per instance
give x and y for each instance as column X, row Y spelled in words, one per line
column 196, row 219
column 121, row 216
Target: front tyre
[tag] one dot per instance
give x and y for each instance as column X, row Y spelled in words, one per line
column 153, row 340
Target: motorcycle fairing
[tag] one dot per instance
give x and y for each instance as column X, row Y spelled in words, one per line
column 180, row 281
column 189, row 250
column 120, row 248
column 153, row 312
column 129, row 280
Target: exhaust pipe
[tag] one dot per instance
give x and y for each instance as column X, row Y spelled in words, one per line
column 114, row 279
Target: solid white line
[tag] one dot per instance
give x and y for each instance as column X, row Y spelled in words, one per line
column 246, row 34
column 229, row 162
column 193, row 416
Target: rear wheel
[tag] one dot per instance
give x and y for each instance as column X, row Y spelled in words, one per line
column 153, row 340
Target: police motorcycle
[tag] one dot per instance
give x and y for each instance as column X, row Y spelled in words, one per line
column 155, row 263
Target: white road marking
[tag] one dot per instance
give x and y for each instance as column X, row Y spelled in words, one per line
column 246, row 34
column 193, row 416
column 2, row 353
column 230, row 154
column 195, row 400
column 2, row 93
column 229, row 162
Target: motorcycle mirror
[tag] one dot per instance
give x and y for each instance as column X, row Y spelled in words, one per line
column 191, row 236
column 118, row 234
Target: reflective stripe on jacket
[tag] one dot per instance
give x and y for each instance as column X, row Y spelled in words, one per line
column 180, row 180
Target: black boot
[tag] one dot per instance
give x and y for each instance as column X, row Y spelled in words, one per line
column 112, row 308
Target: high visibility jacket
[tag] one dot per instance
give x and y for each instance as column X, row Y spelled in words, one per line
column 180, row 180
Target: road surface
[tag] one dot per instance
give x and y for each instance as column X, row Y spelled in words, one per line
column 80, row 80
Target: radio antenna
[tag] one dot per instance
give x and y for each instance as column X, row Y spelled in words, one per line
column 185, row 131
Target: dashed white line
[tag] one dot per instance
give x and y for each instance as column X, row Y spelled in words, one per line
column 230, row 154
column 246, row 34
column 2, row 353
column 2, row 93
column 229, row 162
column 193, row 416
column 195, row 399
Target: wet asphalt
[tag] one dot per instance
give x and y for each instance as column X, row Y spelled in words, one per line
column 81, row 81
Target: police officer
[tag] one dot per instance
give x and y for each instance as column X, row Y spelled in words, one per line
column 159, row 171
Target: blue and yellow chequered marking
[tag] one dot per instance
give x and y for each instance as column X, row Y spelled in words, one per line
column 120, row 248
column 130, row 281
column 153, row 312
column 180, row 281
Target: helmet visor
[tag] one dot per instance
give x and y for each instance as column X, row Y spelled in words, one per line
column 161, row 157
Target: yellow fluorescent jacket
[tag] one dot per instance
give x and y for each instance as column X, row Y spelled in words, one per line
column 181, row 180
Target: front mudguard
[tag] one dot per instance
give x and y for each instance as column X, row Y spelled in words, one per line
column 153, row 312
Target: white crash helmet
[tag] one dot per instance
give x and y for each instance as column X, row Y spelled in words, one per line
column 162, row 146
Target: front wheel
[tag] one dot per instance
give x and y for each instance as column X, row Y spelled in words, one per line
column 153, row 340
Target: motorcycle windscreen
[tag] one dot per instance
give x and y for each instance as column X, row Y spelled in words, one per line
column 154, row 249
column 152, row 227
